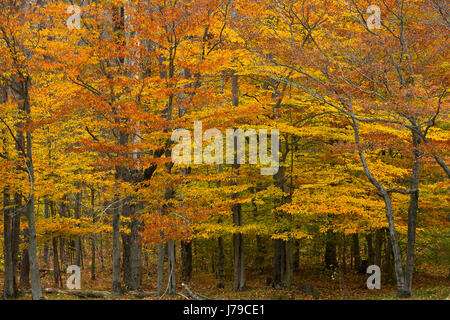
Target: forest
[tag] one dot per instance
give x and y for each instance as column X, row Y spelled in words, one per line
column 224, row 149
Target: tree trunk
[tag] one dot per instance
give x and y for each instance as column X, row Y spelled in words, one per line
column 260, row 252
column 389, row 266
column 186, row 260
column 330, row 250
column 78, row 239
column 93, row 236
column 101, row 239
column 135, row 259
column 116, row 249
column 126, row 247
column 289, row 265
column 378, row 246
column 370, row 250
column 343, row 263
column 25, row 270
column 16, row 237
column 277, row 273
column 171, row 266
column 101, row 250
column 356, row 251
column 46, row 247
column 412, row 217
column 36, row 291
column 220, row 263
column 62, row 241
column 56, row 265
column 56, row 270
column 296, row 255
column 239, row 269
column 395, row 248
column 8, row 284
column 160, row 279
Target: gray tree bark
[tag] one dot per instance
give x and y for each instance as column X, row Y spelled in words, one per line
column 186, row 260
column 78, row 239
column 36, row 290
column 93, row 235
column 117, row 289
column 8, row 283
column 412, row 216
column 46, row 247
column 160, row 277
column 135, row 259
column 171, row 266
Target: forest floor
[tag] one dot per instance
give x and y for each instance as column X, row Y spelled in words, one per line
column 428, row 284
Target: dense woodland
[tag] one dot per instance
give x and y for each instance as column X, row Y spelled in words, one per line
column 87, row 115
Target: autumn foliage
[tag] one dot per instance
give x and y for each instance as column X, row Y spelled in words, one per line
column 86, row 118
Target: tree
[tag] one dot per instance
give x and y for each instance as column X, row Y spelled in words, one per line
column 383, row 81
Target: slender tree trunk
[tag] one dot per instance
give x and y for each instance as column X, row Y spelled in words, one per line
column 101, row 250
column 160, row 279
column 260, row 252
column 412, row 217
column 62, row 241
column 93, row 236
column 56, row 265
column 283, row 261
column 8, row 283
column 370, row 250
column 56, row 270
column 389, row 265
column 122, row 137
column 296, row 255
column 277, row 273
column 46, row 247
column 330, row 250
column 126, row 246
column 135, row 259
column 289, row 265
column 239, row 267
column 356, row 251
column 343, row 263
column 378, row 247
column 36, row 291
column 25, row 147
column 78, row 239
column 395, row 248
column 116, row 249
column 101, row 237
column 171, row 266
column 16, row 238
column 186, row 260
column 220, row 263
